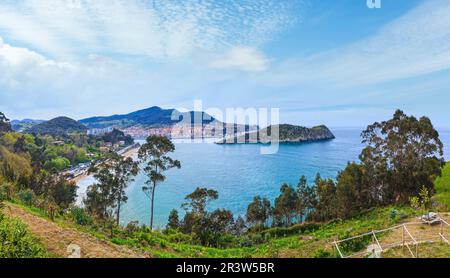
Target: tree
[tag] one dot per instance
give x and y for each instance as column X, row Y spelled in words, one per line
column 174, row 221
column 20, row 145
column 57, row 164
column 208, row 228
column 352, row 193
column 306, row 199
column 199, row 199
column 154, row 154
column 239, row 227
column 5, row 125
column 285, row 206
column 400, row 156
column 326, row 206
column 114, row 175
column 195, row 208
column 217, row 224
column 258, row 211
column 64, row 192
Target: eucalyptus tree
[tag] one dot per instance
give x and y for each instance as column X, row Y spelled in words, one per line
column 306, row 199
column 154, row 153
column 113, row 174
column 258, row 211
column 401, row 155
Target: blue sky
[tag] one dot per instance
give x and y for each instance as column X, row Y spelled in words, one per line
column 321, row 62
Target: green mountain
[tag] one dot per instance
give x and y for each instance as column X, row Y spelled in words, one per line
column 58, row 127
column 150, row 117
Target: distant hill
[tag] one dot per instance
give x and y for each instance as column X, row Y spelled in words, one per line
column 58, row 127
column 21, row 125
column 287, row 134
column 150, row 117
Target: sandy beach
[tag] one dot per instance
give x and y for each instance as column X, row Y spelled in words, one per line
column 132, row 152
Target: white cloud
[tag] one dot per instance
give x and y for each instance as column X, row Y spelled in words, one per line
column 418, row 43
column 156, row 29
column 18, row 65
column 242, row 58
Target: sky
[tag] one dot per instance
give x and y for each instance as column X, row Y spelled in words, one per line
column 329, row 62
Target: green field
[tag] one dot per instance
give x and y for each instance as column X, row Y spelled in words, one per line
column 442, row 186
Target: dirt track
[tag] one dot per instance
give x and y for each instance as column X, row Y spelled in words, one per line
column 56, row 239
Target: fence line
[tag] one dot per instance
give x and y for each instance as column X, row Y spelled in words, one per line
column 403, row 243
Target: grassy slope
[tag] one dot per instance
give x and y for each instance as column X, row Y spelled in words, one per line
column 293, row 246
column 25, row 246
column 304, row 245
column 298, row 245
column 442, row 186
column 427, row 250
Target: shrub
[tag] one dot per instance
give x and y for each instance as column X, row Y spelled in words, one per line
column 16, row 241
column 6, row 190
column 80, row 216
column 353, row 245
column 132, row 227
column 292, row 230
column 320, row 254
column 393, row 214
column 26, row 196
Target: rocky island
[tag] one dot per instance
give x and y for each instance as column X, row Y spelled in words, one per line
column 286, row 134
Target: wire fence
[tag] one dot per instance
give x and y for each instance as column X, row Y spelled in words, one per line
column 408, row 236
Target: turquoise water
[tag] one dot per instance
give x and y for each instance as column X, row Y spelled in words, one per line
column 239, row 172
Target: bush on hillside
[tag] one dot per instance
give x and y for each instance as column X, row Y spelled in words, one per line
column 26, row 196
column 16, row 241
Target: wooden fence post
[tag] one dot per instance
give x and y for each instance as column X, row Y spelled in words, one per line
column 403, row 239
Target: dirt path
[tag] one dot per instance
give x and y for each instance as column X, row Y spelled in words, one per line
column 420, row 232
column 56, row 239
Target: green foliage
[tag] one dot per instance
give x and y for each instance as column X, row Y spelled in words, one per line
column 113, row 176
column 442, row 187
column 57, row 164
column 16, row 241
column 353, row 245
column 394, row 214
column 323, row 254
column 26, row 196
column 14, row 167
column 80, row 216
column 174, row 221
column 402, row 154
column 258, row 211
column 292, row 230
column 325, row 208
column 6, row 190
column 285, row 206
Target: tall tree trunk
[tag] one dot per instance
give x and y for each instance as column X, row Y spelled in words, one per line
column 118, row 213
column 153, row 199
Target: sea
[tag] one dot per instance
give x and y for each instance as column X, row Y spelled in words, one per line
column 240, row 172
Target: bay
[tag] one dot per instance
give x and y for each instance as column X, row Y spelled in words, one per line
column 240, row 172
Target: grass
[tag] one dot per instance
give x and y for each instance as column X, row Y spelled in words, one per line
column 426, row 250
column 442, row 186
column 310, row 243
column 17, row 242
